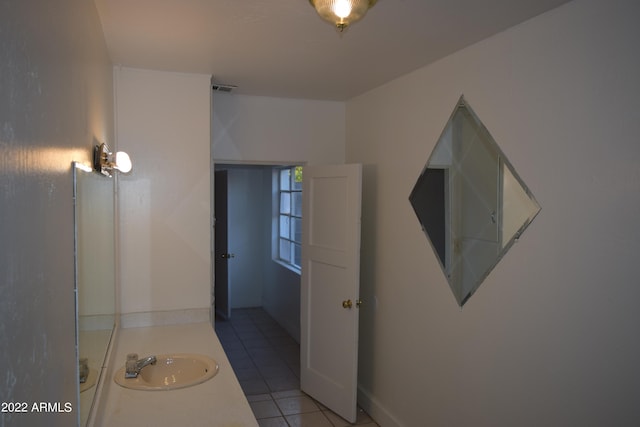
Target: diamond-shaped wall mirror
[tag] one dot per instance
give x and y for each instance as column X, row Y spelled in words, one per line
column 470, row 201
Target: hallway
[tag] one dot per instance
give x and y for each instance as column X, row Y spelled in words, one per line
column 266, row 361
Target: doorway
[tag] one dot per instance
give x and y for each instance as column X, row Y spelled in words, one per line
column 331, row 223
column 254, row 278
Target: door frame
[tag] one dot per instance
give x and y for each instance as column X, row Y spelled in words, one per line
column 351, row 414
column 235, row 163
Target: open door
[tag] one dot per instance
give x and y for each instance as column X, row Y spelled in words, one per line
column 330, row 286
column 222, row 306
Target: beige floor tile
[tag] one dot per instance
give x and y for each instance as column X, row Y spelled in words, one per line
column 313, row 419
column 264, row 409
column 296, row 405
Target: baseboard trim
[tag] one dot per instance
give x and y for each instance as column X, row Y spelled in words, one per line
column 376, row 410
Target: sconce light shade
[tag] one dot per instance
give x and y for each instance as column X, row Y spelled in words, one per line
column 342, row 13
column 123, row 162
column 104, row 161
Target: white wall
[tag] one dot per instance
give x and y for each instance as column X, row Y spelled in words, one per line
column 281, row 297
column 163, row 122
column 551, row 337
column 277, row 130
column 55, row 104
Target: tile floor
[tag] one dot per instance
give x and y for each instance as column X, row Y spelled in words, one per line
column 266, row 361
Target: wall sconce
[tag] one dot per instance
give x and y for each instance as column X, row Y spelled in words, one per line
column 104, row 161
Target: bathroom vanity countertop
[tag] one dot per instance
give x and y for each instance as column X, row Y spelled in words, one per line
column 218, row 402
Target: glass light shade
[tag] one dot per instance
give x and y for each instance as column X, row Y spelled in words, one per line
column 342, row 13
column 123, row 162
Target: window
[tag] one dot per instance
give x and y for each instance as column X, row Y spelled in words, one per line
column 289, row 247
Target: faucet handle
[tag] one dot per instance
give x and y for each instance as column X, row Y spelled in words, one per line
column 83, row 369
column 130, row 366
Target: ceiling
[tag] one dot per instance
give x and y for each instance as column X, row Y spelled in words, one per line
column 282, row 48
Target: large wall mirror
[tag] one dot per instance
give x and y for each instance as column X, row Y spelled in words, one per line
column 95, row 278
column 470, row 201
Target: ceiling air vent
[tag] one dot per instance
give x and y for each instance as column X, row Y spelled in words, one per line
column 219, row 87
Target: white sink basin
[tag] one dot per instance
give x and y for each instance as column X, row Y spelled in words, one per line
column 170, row 372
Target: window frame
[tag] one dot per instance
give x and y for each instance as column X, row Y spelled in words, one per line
column 287, row 214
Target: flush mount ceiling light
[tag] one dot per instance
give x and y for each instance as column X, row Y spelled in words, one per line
column 104, row 161
column 342, row 13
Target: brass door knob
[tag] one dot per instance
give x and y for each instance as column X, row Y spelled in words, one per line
column 349, row 304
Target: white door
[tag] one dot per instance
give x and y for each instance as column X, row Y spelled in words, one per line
column 330, row 286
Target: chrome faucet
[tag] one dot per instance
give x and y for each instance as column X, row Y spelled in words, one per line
column 135, row 365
